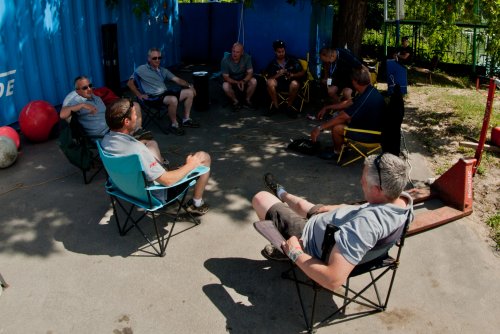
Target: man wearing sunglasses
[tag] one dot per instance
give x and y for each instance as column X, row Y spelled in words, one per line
column 121, row 118
column 90, row 110
column 159, row 86
column 303, row 223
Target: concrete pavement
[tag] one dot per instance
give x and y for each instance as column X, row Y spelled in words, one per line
column 71, row 272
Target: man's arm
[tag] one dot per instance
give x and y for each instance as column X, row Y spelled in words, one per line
column 341, row 118
column 135, row 90
column 330, row 276
column 181, row 82
column 67, row 110
column 170, row 177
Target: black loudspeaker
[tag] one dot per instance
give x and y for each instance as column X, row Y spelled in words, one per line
column 110, row 57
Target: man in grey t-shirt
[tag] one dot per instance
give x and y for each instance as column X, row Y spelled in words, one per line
column 303, row 224
column 237, row 72
column 121, row 118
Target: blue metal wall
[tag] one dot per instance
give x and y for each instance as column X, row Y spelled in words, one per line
column 210, row 29
column 45, row 44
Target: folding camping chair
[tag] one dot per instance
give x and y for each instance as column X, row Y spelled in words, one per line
column 376, row 263
column 361, row 142
column 303, row 94
column 127, row 183
column 365, row 142
column 151, row 114
column 79, row 148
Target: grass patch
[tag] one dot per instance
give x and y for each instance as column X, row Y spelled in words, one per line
column 494, row 223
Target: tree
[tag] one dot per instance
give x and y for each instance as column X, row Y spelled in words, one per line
column 349, row 25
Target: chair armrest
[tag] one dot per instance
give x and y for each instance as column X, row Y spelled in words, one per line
column 195, row 173
column 373, row 132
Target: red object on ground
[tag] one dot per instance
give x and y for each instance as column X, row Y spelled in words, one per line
column 7, row 131
column 37, row 120
column 106, row 95
column 495, row 136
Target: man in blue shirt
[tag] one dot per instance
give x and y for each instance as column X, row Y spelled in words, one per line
column 155, row 86
column 365, row 111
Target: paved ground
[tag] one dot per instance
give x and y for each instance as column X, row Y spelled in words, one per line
column 70, row 271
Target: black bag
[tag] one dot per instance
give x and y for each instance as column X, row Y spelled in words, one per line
column 304, row 146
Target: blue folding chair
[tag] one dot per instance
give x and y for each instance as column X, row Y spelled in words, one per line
column 127, row 183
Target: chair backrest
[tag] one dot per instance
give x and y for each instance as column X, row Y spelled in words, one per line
column 126, row 174
column 392, row 120
column 305, row 66
column 75, row 144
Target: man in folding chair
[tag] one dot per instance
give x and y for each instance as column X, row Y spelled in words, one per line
column 90, row 110
column 365, row 111
column 237, row 73
column 303, row 224
column 284, row 74
column 121, row 118
column 158, row 91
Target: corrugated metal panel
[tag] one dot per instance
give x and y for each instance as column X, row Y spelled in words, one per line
column 45, row 44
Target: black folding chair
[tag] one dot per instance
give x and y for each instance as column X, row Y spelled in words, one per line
column 375, row 264
column 153, row 110
column 79, row 148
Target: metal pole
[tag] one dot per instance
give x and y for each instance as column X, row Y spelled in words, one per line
column 484, row 129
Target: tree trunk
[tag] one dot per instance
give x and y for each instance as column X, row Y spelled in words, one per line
column 350, row 24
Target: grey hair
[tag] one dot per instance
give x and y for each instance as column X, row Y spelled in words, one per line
column 361, row 75
column 78, row 78
column 393, row 174
column 150, row 51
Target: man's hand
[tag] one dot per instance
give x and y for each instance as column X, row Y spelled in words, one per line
column 193, row 161
column 143, row 96
column 322, row 113
column 241, row 85
column 290, row 244
column 89, row 107
column 315, row 133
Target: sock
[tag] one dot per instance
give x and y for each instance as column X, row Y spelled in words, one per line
column 184, row 120
column 197, row 202
column 280, row 191
column 175, row 125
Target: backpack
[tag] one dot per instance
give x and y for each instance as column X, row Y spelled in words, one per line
column 304, row 146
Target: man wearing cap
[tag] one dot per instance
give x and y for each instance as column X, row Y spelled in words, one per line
column 284, row 73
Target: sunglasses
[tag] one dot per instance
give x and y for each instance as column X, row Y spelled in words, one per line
column 128, row 112
column 377, row 164
column 85, row 87
column 156, row 58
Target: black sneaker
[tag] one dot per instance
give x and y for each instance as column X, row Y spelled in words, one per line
column 271, row 184
column 189, row 123
column 176, row 131
column 141, row 134
column 272, row 253
column 198, row 210
column 237, row 107
column 328, row 155
column 250, row 105
column 291, row 112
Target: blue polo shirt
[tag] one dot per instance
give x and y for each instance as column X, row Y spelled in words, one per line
column 152, row 81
